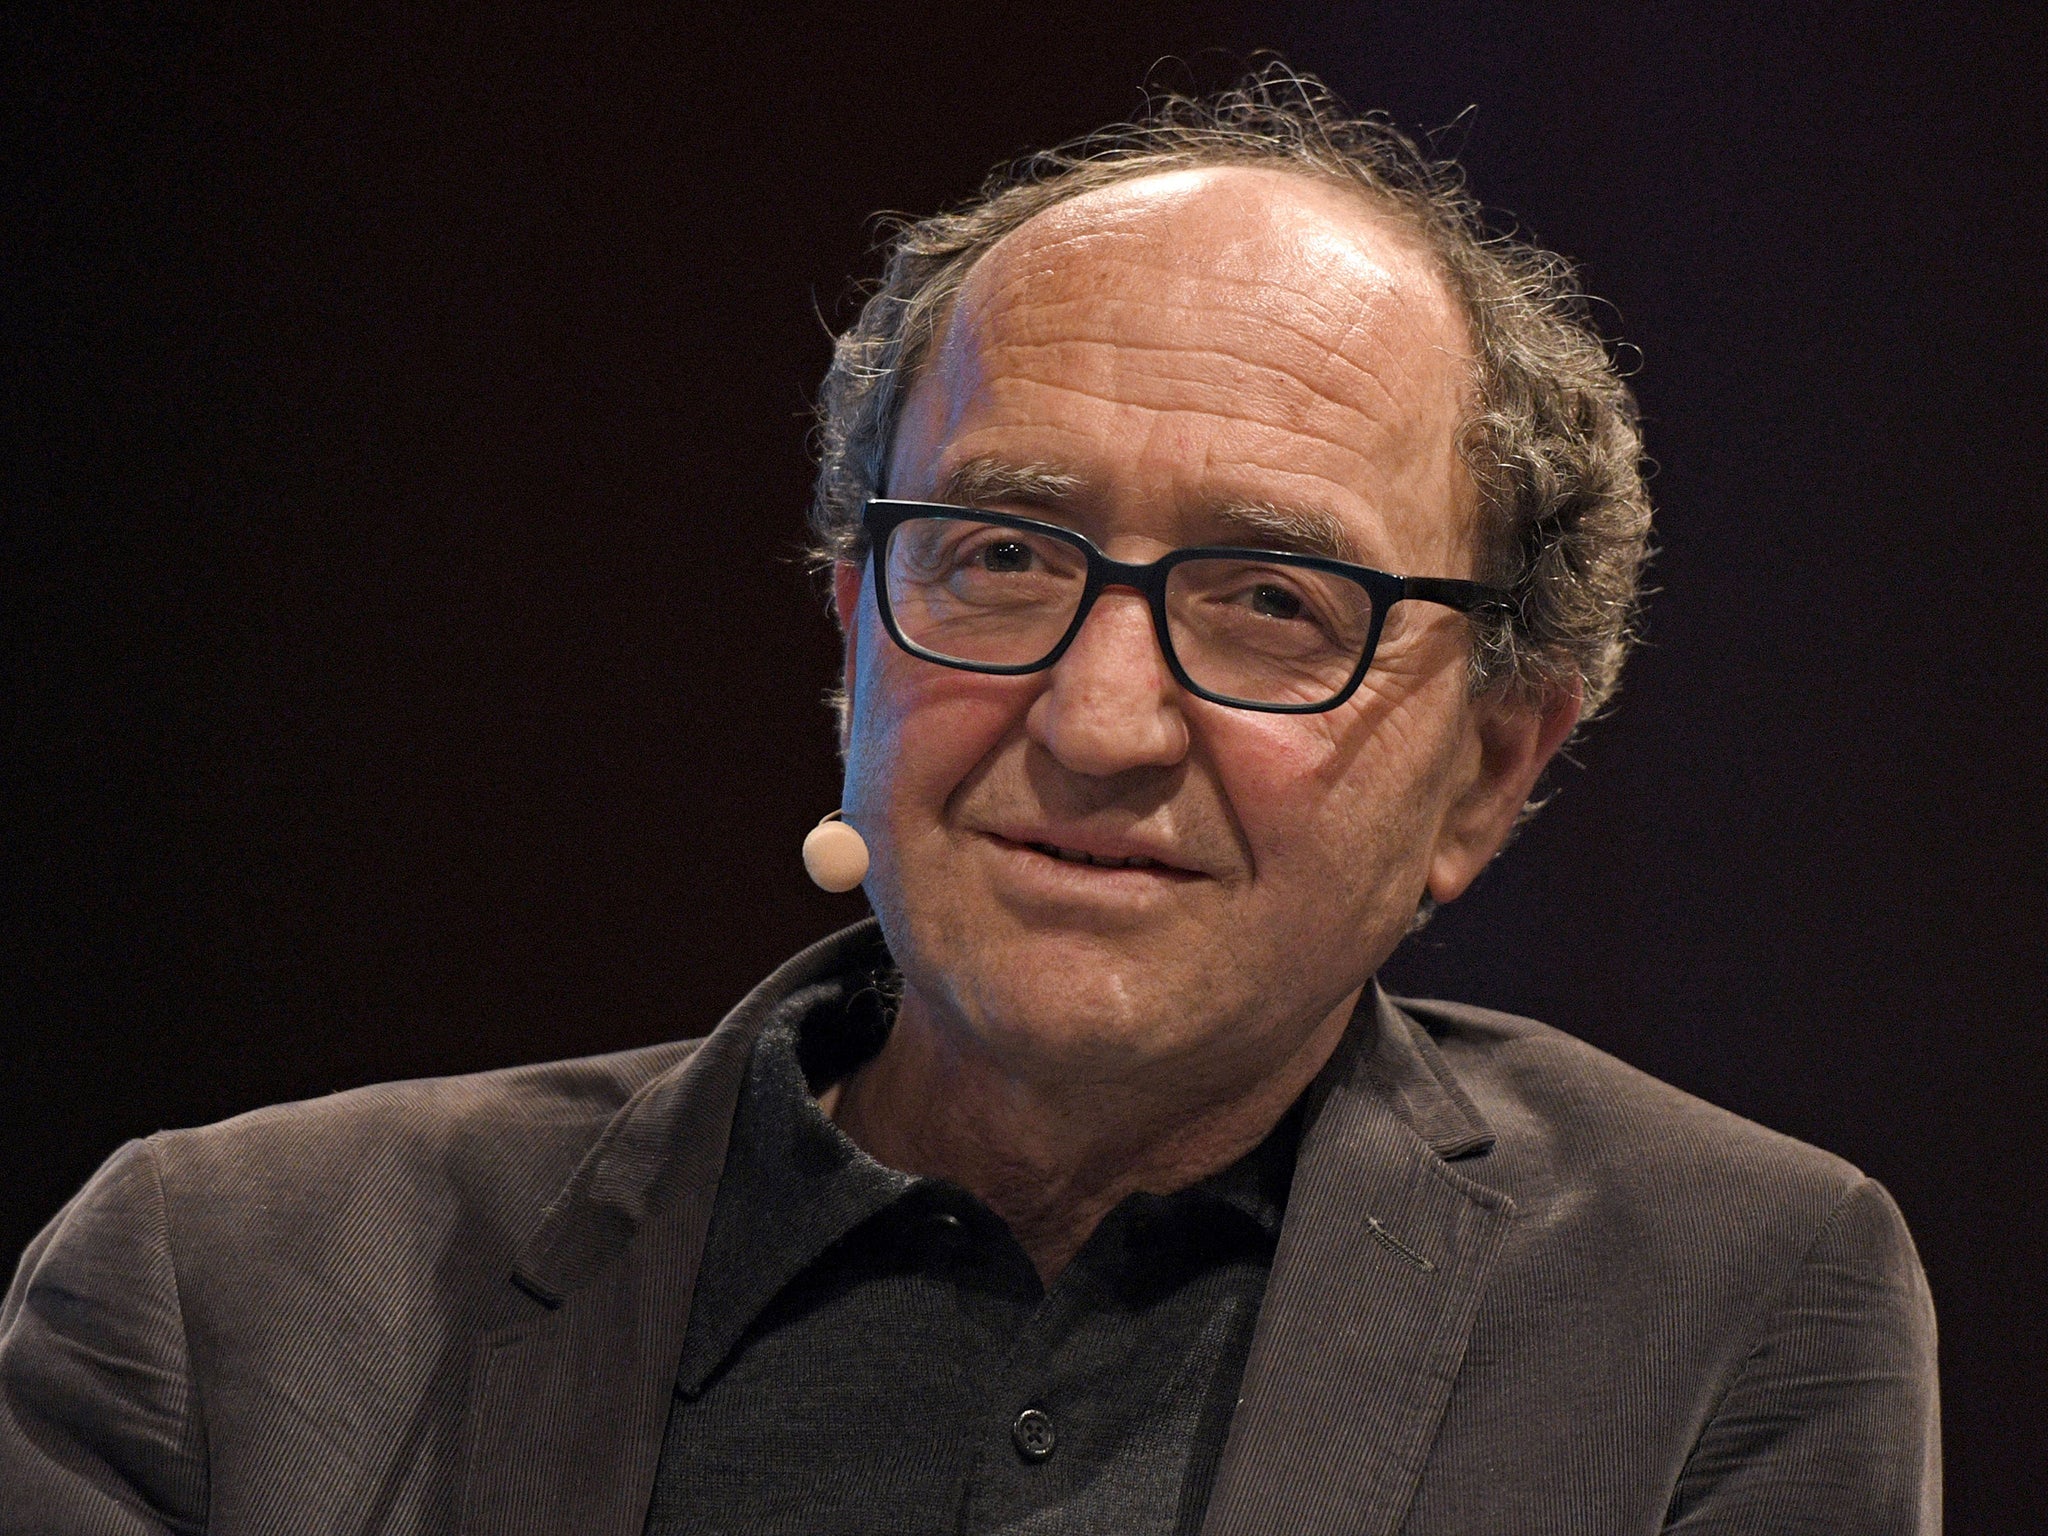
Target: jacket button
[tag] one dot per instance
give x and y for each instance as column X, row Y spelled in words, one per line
column 1034, row 1435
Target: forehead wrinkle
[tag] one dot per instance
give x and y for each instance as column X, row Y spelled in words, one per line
column 1296, row 406
column 1118, row 358
column 1318, row 267
column 1083, row 485
column 1296, row 249
column 1359, row 466
column 1383, row 323
column 1387, row 383
column 1386, row 327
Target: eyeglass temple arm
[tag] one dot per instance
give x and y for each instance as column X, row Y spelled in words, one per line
column 1465, row 596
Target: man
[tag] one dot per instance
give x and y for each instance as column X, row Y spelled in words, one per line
column 1095, row 1187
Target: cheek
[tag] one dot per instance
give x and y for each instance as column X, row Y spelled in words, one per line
column 1278, row 775
column 918, row 732
column 1336, row 809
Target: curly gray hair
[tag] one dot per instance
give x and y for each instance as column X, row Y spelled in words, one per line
column 1552, row 444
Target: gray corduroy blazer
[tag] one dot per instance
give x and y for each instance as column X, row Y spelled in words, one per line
column 1522, row 1289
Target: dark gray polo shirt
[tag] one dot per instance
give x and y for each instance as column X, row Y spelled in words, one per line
column 870, row 1352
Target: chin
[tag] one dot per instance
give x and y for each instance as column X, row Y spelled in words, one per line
column 1034, row 1033
column 1078, row 1003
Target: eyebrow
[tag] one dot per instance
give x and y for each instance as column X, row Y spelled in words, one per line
column 977, row 482
column 980, row 482
column 1289, row 530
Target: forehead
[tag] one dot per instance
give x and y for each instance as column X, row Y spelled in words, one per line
column 1219, row 335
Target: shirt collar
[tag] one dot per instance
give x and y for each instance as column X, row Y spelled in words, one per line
column 794, row 1184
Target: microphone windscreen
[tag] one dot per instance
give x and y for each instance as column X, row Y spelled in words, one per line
column 835, row 856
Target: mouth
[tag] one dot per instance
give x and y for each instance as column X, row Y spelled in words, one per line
column 1097, row 858
column 1100, row 861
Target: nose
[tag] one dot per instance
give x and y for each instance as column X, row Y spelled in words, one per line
column 1110, row 703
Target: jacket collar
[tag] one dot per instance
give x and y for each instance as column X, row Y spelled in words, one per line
column 1375, row 1285
column 1398, row 1057
column 567, row 1406
column 667, row 1144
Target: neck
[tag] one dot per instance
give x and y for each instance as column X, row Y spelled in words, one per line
column 1052, row 1153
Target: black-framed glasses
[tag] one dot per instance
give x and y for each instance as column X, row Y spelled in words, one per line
column 1254, row 629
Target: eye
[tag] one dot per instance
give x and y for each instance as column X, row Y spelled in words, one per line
column 1004, row 556
column 1274, row 602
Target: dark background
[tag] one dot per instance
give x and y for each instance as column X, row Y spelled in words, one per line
column 408, row 669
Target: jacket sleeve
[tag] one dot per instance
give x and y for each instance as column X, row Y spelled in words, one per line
column 1833, row 1422
column 99, row 1425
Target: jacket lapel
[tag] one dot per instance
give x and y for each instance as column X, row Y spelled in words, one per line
column 569, row 1403
column 1381, row 1262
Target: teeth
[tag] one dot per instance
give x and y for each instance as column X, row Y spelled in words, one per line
column 1074, row 856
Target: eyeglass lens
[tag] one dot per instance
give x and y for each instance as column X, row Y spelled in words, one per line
column 1264, row 631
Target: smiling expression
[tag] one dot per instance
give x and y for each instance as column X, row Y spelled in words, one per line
column 1087, row 869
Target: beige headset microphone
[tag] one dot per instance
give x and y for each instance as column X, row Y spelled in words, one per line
column 835, row 855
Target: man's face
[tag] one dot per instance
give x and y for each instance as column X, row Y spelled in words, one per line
column 1191, row 358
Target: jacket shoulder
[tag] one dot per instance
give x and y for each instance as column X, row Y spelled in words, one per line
column 1570, row 1118
column 1721, row 1303
column 210, row 1286
column 508, row 1116
column 427, row 1186
column 550, row 1092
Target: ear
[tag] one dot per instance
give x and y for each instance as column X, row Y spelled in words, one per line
column 1512, row 741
